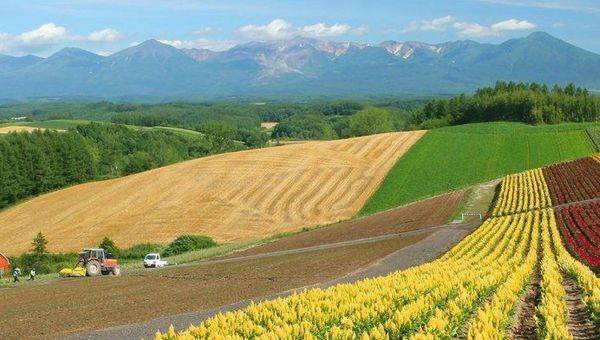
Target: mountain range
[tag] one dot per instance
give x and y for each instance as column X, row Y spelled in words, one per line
column 298, row 66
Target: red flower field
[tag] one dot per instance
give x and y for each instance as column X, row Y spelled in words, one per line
column 580, row 226
column 573, row 181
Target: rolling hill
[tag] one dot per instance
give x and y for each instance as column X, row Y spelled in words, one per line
column 302, row 66
column 231, row 197
column 475, row 153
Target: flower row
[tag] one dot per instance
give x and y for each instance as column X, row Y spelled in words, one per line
column 574, row 181
column 434, row 300
column 580, row 227
column 522, row 192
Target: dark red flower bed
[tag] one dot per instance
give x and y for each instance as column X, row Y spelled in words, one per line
column 580, row 226
column 573, row 181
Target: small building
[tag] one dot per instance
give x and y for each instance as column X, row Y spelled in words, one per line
column 4, row 264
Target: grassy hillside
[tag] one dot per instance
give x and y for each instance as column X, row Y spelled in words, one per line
column 64, row 124
column 594, row 134
column 454, row 157
column 59, row 124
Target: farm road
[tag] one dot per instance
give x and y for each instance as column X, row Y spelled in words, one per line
column 441, row 239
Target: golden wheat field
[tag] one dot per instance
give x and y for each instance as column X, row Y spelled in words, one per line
column 231, row 197
column 16, row 128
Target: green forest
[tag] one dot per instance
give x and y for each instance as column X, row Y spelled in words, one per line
column 519, row 102
column 304, row 120
column 38, row 162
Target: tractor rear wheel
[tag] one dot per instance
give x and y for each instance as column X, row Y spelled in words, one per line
column 116, row 271
column 93, row 268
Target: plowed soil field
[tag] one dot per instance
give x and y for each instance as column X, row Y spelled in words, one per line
column 419, row 215
column 231, row 197
column 54, row 310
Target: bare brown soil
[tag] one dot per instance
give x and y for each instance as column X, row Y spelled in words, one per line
column 525, row 325
column 236, row 196
column 79, row 304
column 579, row 323
column 431, row 212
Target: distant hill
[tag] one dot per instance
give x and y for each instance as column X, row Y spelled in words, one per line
column 299, row 66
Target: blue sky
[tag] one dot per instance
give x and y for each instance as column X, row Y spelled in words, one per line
column 103, row 26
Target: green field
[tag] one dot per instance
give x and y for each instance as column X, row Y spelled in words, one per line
column 58, row 124
column 594, row 134
column 455, row 157
column 64, row 124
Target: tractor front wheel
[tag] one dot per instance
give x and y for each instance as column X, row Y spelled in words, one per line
column 116, row 271
column 93, row 268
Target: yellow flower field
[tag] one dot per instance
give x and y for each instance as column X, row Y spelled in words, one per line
column 471, row 291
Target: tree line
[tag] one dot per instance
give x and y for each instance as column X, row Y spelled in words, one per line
column 508, row 101
column 41, row 161
column 367, row 121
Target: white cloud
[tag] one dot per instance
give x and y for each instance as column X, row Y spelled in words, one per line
column 512, row 25
column 49, row 35
column 46, row 34
column 281, row 29
column 276, row 29
column 205, row 31
column 321, row 30
column 213, row 45
column 178, row 43
column 437, row 24
column 105, row 35
column 465, row 28
column 104, row 53
column 473, row 29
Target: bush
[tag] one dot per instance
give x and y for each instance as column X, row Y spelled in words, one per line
column 187, row 243
column 138, row 251
column 49, row 263
column 370, row 121
column 109, row 246
column 305, row 126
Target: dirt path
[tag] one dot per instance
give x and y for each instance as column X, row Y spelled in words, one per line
column 579, row 321
column 525, row 325
column 340, row 244
column 434, row 245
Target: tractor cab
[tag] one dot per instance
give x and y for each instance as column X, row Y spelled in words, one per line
column 97, row 261
column 90, row 254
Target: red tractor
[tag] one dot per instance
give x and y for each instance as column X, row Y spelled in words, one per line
column 96, row 261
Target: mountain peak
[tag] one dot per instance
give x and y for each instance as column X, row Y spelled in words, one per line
column 540, row 35
column 149, row 49
column 303, row 66
column 408, row 48
column 73, row 53
column 152, row 43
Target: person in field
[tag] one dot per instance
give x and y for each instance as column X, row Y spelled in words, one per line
column 16, row 274
column 32, row 274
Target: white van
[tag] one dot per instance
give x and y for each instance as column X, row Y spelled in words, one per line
column 153, row 261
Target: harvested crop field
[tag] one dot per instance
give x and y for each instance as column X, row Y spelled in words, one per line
column 231, row 197
column 16, row 128
column 268, row 125
column 33, row 311
column 419, row 215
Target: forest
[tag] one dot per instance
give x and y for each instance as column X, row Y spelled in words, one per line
column 38, row 162
column 508, row 101
column 298, row 120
